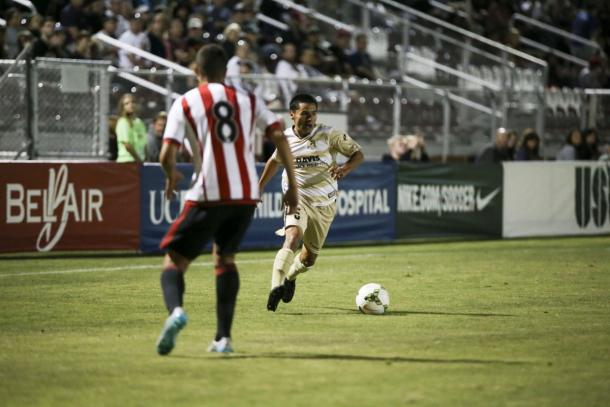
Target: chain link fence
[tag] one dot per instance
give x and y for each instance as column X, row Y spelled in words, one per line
column 71, row 102
column 14, row 139
column 60, row 112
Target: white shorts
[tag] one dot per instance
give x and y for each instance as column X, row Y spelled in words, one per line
column 314, row 222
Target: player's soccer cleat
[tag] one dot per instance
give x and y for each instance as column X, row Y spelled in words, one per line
column 223, row 345
column 275, row 296
column 173, row 324
column 289, row 287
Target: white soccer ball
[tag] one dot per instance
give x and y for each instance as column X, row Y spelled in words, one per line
column 373, row 299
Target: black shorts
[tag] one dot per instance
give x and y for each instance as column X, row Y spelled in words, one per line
column 197, row 225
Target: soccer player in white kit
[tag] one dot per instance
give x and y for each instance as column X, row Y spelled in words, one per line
column 314, row 147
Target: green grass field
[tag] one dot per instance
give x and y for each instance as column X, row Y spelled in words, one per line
column 493, row 323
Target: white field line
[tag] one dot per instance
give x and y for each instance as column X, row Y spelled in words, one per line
column 157, row 266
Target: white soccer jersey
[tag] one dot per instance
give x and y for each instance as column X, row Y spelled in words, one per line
column 220, row 120
column 314, row 155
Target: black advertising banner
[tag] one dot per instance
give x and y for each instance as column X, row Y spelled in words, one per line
column 438, row 200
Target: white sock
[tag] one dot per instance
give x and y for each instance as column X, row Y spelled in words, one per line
column 177, row 311
column 296, row 268
column 282, row 262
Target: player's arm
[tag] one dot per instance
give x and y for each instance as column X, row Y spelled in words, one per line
column 271, row 167
column 287, row 160
column 167, row 158
column 351, row 164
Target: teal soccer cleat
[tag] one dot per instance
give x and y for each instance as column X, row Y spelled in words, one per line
column 173, row 325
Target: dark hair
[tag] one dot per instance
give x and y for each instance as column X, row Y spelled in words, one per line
column 211, row 60
column 302, row 98
column 569, row 138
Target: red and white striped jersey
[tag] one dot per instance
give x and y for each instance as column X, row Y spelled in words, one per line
column 220, row 120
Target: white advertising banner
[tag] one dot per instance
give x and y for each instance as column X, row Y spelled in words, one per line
column 556, row 198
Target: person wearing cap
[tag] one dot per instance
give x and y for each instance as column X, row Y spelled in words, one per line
column 136, row 38
column 57, row 43
column 194, row 27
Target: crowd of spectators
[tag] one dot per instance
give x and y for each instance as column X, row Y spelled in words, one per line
column 175, row 30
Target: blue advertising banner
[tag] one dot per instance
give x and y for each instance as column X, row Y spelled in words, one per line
column 366, row 208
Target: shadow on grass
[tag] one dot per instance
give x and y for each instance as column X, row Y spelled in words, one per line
column 397, row 313
column 358, row 358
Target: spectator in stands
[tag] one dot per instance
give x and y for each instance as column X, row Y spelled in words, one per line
column 25, row 38
column 360, row 60
column 583, row 25
column 156, row 32
column 35, row 24
column 113, row 148
column 497, row 151
column 415, row 149
column 194, row 27
column 94, row 12
column 570, row 150
column 57, row 43
column 511, row 144
column 11, row 34
column 231, row 35
column 308, row 63
column 593, row 75
column 590, row 146
column 130, row 131
column 43, row 43
column 155, row 137
column 3, row 50
column 315, row 41
column 219, row 15
column 175, row 43
column 240, row 63
column 287, row 69
column 73, row 18
column 340, row 52
column 529, row 147
column 122, row 23
column 397, row 147
column 136, row 38
column 84, row 48
column 106, row 51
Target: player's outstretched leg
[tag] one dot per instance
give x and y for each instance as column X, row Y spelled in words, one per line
column 172, row 284
column 290, row 282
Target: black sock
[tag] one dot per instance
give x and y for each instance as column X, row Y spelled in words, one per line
column 172, row 284
column 227, row 286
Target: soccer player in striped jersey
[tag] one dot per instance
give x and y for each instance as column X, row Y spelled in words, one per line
column 314, row 147
column 218, row 122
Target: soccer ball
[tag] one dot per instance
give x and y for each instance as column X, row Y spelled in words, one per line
column 373, row 299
